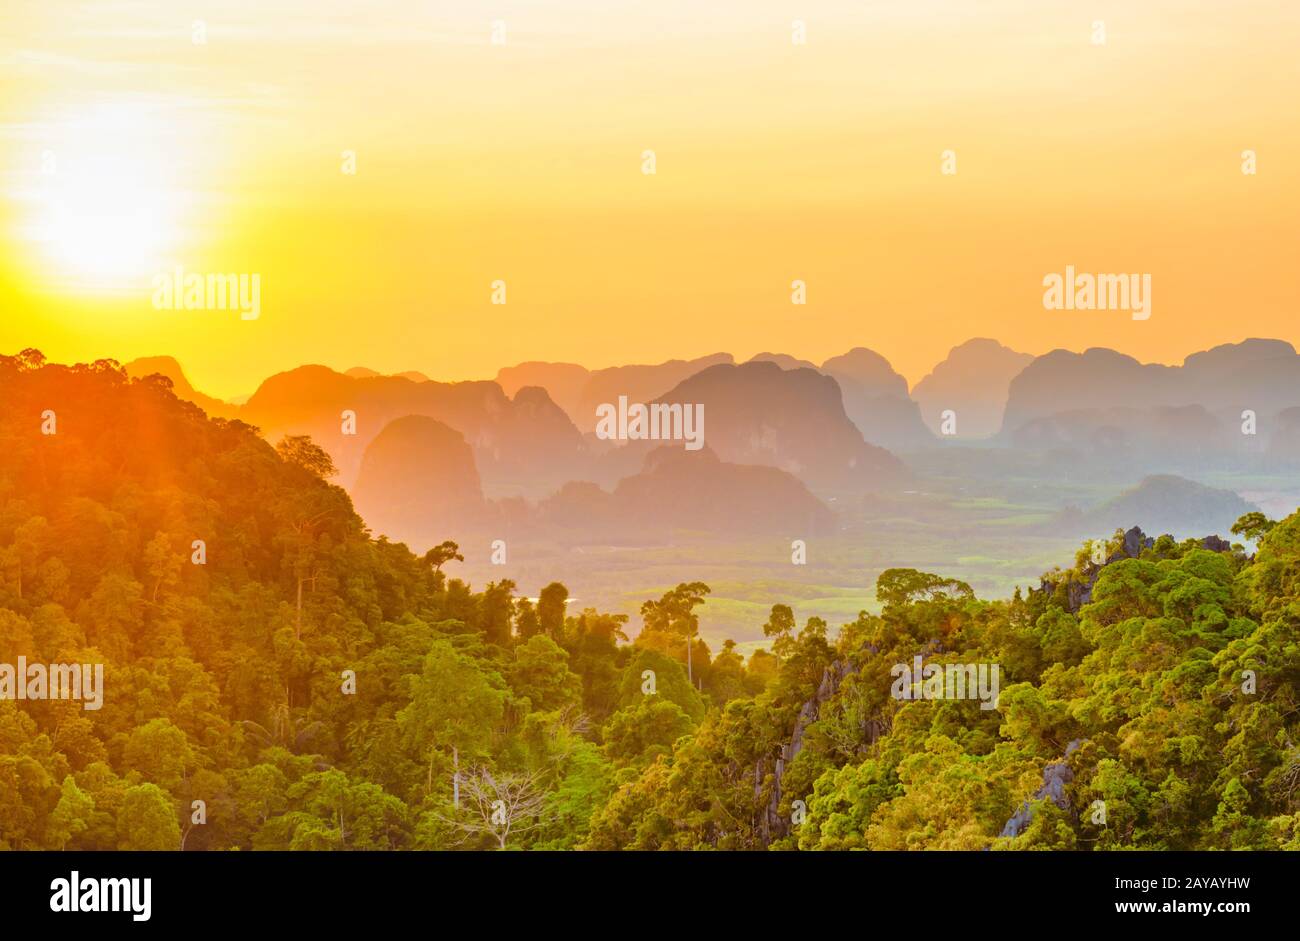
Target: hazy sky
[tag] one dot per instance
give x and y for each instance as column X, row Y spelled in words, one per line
column 127, row 148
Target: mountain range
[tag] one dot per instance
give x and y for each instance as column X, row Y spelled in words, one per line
column 973, row 382
column 1219, row 407
column 844, row 428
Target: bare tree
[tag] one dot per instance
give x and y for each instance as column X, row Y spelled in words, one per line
column 574, row 723
column 499, row 803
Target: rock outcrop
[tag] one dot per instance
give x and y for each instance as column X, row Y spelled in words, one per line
column 973, row 382
column 418, row 481
column 793, row 419
column 1078, row 590
column 773, row 826
column 1055, row 777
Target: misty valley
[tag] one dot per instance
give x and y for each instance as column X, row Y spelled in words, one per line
column 359, row 611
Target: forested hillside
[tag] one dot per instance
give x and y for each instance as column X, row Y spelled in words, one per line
column 275, row 678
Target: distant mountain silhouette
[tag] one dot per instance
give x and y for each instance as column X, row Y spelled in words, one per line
column 417, row 479
column 167, row 366
column 525, row 445
column 759, row 413
column 638, row 383
column 580, row 391
column 1284, row 437
column 836, row 427
column 1165, row 504
column 688, row 490
column 1240, row 362
column 1260, row 375
column 362, row 372
column 784, row 360
column 1062, row 381
column 562, row 381
column 868, row 370
column 1187, row 434
column 876, row 400
column 973, row 381
column 875, row 397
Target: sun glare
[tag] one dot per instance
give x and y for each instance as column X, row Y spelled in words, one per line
column 104, row 212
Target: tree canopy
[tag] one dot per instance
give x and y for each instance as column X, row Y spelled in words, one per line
column 307, row 686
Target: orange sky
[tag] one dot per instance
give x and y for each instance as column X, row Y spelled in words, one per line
column 126, row 148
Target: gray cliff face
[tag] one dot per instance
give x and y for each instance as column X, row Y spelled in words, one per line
column 772, row 825
column 1055, row 777
column 1079, row 593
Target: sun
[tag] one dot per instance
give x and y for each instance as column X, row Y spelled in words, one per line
column 108, row 226
column 104, row 212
